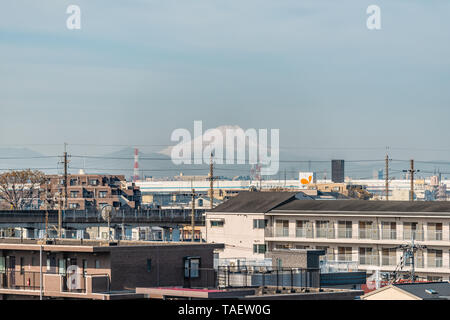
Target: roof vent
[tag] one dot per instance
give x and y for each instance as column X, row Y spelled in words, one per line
column 431, row 291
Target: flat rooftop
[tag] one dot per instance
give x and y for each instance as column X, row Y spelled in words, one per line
column 75, row 245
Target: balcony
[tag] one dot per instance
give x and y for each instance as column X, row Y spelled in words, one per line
column 345, row 233
column 283, row 232
column 389, row 235
column 303, row 233
column 368, row 234
column 345, row 257
column 410, row 234
column 327, row 233
column 372, row 260
column 388, row 260
column 53, row 284
column 434, row 235
column 435, row 263
column 20, row 280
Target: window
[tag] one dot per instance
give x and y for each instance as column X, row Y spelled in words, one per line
column 48, row 264
column 345, row 229
column 259, row 248
column 192, row 267
column 344, row 253
column 388, row 257
column 216, row 223
column 74, row 194
column 368, row 256
column 61, row 266
column 73, row 205
column 93, row 182
column 303, row 229
column 434, row 231
column 434, row 258
column 324, row 229
column 149, row 265
column 412, row 230
column 102, row 194
column 2, row 265
column 368, row 230
column 282, row 228
column 200, row 202
column 97, row 264
column 85, row 265
column 388, row 230
column 22, row 263
column 259, row 223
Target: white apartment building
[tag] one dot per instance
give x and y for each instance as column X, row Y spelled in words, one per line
column 365, row 232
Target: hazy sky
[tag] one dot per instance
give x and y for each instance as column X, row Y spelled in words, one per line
column 139, row 69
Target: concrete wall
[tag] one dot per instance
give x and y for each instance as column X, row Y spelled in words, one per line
column 237, row 233
column 129, row 266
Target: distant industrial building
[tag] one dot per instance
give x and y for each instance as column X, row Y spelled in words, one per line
column 337, row 171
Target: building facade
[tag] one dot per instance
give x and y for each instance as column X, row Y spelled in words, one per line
column 89, row 191
column 368, row 233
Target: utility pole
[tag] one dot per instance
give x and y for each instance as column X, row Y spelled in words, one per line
column 386, row 176
column 65, row 175
column 411, row 174
column 193, row 214
column 59, row 220
column 409, row 251
column 211, row 181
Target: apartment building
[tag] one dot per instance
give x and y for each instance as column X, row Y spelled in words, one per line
column 366, row 232
column 91, row 191
column 89, row 269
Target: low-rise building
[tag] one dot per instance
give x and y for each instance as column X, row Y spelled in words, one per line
column 411, row 291
column 368, row 233
column 86, row 269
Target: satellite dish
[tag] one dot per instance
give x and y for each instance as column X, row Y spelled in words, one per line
column 107, row 214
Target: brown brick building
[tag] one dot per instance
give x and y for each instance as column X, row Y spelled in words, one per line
column 98, row 270
column 89, row 191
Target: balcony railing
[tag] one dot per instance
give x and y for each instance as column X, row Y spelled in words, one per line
column 345, row 257
column 284, row 232
column 410, row 234
column 434, row 235
column 368, row 234
column 388, row 260
column 327, row 233
column 372, row 260
column 303, row 233
column 345, row 233
column 389, row 234
column 435, row 263
column 20, row 280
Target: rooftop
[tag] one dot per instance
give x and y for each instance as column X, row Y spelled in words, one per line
column 264, row 202
column 255, row 202
column 427, row 290
column 73, row 245
column 366, row 205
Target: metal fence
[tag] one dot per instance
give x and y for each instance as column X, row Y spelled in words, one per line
column 231, row 277
column 22, row 280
